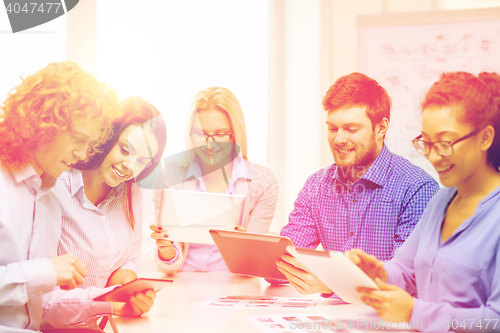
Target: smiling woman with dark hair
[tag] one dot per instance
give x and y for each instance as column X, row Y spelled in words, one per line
column 102, row 213
column 452, row 258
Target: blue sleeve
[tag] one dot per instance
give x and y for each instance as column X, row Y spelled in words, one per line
column 301, row 228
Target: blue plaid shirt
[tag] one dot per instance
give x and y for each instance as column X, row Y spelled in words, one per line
column 376, row 213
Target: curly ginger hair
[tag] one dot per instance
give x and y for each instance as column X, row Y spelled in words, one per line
column 48, row 103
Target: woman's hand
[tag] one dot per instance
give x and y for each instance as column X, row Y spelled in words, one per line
column 137, row 305
column 299, row 277
column 391, row 302
column 368, row 264
column 240, row 228
column 166, row 248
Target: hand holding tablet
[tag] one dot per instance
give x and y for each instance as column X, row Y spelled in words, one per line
column 368, row 264
column 336, row 271
column 300, row 277
column 124, row 292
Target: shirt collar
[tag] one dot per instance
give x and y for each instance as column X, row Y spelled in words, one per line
column 377, row 172
column 240, row 169
column 76, row 183
column 29, row 176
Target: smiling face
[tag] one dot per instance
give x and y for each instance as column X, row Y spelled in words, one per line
column 442, row 124
column 212, row 122
column 66, row 148
column 353, row 141
column 129, row 156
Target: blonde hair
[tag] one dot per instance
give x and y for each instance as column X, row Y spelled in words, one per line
column 221, row 99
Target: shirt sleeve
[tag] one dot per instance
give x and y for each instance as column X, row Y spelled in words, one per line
column 443, row 316
column 262, row 214
column 173, row 265
column 69, row 307
column 401, row 268
column 301, row 228
column 416, row 199
column 25, row 280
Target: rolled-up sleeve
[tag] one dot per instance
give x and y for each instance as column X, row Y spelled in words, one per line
column 69, row 307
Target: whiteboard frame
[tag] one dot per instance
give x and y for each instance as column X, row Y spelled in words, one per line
column 363, row 22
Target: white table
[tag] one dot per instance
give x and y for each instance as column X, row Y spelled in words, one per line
column 177, row 309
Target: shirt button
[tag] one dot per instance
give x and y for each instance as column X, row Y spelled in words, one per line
column 31, row 302
column 111, row 241
column 351, row 233
column 34, row 231
column 110, row 266
column 103, row 217
column 353, row 200
column 35, row 180
column 40, row 292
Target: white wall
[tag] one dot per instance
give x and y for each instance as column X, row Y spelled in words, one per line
column 312, row 44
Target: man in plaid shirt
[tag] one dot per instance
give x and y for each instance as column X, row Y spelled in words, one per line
column 369, row 198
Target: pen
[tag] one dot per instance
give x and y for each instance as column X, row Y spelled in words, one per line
column 260, row 298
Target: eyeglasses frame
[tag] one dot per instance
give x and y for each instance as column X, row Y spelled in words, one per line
column 231, row 136
column 431, row 144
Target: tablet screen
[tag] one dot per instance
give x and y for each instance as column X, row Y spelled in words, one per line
column 124, row 292
column 251, row 254
column 335, row 270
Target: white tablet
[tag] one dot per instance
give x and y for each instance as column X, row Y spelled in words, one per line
column 335, row 270
column 187, row 216
column 124, row 292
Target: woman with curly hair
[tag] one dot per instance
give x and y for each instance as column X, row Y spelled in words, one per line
column 47, row 124
column 102, row 215
column 451, row 261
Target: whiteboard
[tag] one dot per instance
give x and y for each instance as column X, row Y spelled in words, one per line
column 406, row 53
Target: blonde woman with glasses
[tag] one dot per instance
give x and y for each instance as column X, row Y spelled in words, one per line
column 217, row 163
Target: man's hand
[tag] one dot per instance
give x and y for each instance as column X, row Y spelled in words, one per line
column 391, row 302
column 299, row 277
column 368, row 264
column 70, row 271
column 137, row 305
column 165, row 246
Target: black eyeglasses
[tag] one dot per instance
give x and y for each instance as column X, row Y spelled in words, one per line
column 220, row 137
column 443, row 148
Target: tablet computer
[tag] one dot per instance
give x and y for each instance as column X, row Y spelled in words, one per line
column 187, row 216
column 335, row 270
column 124, row 292
column 251, row 254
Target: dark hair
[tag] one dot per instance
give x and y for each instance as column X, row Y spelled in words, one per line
column 357, row 89
column 134, row 110
column 477, row 100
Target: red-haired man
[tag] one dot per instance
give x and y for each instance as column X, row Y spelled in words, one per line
column 369, row 198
